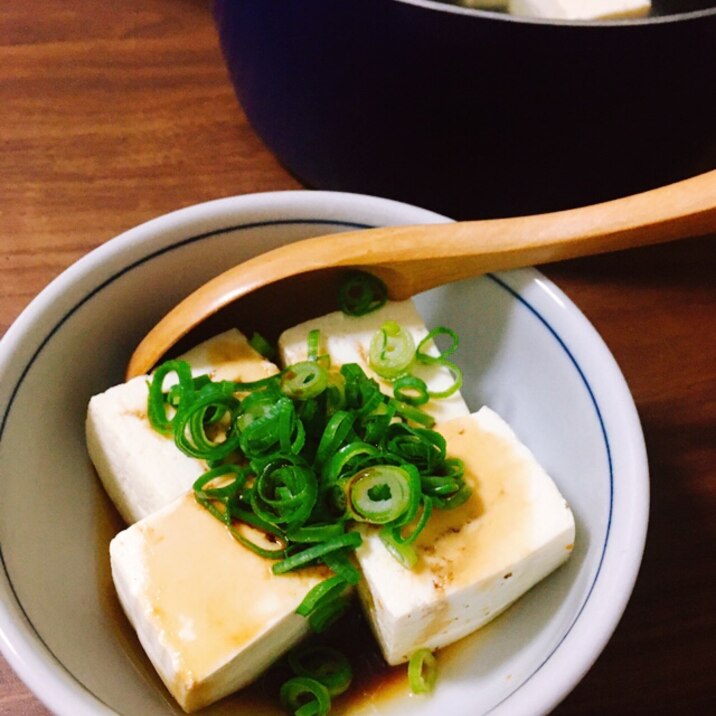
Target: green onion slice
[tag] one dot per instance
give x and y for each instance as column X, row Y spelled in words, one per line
column 157, row 404
column 454, row 386
column 304, row 380
column 192, row 424
column 285, row 492
column 391, row 351
column 324, row 592
column 423, row 357
column 411, row 390
column 302, row 696
column 324, row 664
column 300, row 559
column 422, row 671
column 361, row 293
column 380, row 494
column 405, row 554
column 328, row 614
column 313, row 344
column 262, row 346
column 336, row 431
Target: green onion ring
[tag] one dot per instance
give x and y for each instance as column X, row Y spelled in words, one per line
column 380, row 494
column 156, row 405
column 304, row 380
column 227, row 491
column 422, row 671
column 339, row 563
column 340, row 461
column 428, row 359
column 411, row 390
column 351, row 539
column 405, row 554
column 361, row 293
column 326, row 615
column 295, row 692
column 262, row 346
column 391, row 351
column 324, row 664
column 313, row 344
column 324, row 592
column 456, row 384
column 336, row 431
column 413, row 414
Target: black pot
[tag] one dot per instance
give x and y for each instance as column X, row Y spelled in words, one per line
column 470, row 113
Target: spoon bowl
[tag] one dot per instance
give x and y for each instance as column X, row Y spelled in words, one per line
column 411, row 259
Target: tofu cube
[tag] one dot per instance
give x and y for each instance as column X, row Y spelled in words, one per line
column 142, row 470
column 580, row 9
column 209, row 613
column 476, row 560
column 346, row 339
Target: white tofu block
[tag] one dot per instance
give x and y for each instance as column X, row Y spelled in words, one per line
column 580, row 9
column 476, row 560
column 347, row 339
column 142, row 470
column 209, row 613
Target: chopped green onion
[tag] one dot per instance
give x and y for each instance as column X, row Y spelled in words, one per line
column 413, row 414
column 411, row 390
column 284, row 493
column 391, row 351
column 157, row 405
column 300, row 559
column 423, row 357
column 313, row 344
column 304, row 380
column 302, row 696
column 349, row 457
column 262, row 346
column 191, row 423
column 339, row 563
column 422, row 671
column 361, row 293
column 380, row 494
column 328, row 614
column 226, row 490
column 324, row 592
column 456, row 384
column 324, row 664
column 405, row 554
column 336, row 431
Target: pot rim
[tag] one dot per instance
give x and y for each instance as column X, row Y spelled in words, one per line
column 438, row 6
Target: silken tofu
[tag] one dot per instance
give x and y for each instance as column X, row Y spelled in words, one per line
column 580, row 9
column 476, row 560
column 209, row 613
column 346, row 339
column 142, row 470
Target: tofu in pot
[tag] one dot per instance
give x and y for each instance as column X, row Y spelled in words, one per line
column 142, row 470
column 476, row 560
column 346, row 339
column 209, row 613
column 580, row 9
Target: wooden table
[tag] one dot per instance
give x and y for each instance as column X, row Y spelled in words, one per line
column 112, row 113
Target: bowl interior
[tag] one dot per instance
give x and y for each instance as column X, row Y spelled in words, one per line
column 525, row 349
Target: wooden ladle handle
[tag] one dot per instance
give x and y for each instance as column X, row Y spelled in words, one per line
column 411, row 259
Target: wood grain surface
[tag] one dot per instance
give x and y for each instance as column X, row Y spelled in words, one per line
column 112, row 113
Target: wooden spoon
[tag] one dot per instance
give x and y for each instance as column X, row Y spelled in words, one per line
column 411, row 259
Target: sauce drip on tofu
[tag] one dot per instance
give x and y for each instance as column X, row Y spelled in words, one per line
column 187, row 540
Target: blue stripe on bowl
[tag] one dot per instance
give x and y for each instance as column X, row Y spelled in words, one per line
column 315, row 222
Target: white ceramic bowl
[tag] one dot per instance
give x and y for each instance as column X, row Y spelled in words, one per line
column 526, row 351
